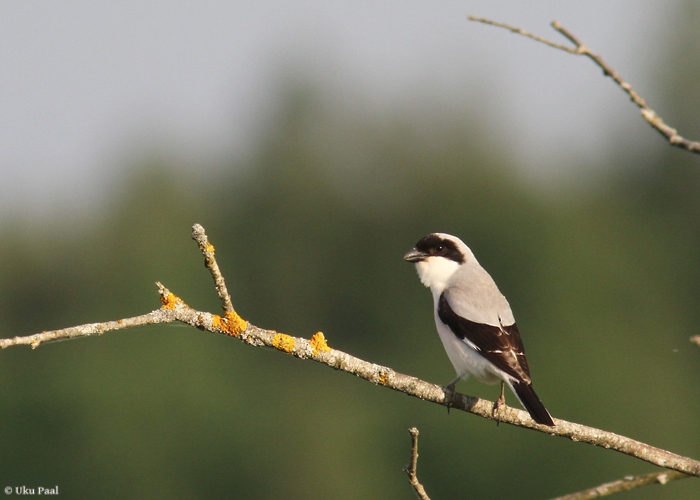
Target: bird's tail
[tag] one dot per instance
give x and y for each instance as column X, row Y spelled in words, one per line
column 533, row 405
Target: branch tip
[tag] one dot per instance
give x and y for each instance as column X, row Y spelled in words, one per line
column 210, row 263
column 625, row 484
column 169, row 299
column 523, row 33
column 411, row 469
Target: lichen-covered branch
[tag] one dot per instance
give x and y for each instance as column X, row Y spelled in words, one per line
column 412, row 469
column 317, row 349
column 628, row 483
column 210, row 263
column 154, row 317
column 580, row 49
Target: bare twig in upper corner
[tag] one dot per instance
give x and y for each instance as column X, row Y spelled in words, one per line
column 524, row 33
column 625, row 484
column 411, row 470
column 649, row 114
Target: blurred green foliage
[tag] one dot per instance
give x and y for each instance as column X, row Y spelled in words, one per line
column 310, row 234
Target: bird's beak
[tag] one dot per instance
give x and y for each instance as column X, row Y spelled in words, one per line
column 415, row 256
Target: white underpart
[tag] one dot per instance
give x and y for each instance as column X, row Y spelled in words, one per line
column 435, row 271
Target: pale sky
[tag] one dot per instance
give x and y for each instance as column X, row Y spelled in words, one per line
column 88, row 85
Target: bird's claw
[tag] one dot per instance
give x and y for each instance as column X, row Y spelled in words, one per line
column 449, row 394
column 499, row 405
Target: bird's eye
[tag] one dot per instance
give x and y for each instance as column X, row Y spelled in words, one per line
column 439, row 248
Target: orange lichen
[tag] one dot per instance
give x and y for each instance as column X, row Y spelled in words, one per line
column 383, row 378
column 231, row 324
column 318, row 342
column 210, row 248
column 171, row 301
column 284, row 342
column 216, row 322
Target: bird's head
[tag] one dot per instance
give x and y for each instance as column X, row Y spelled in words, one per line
column 437, row 257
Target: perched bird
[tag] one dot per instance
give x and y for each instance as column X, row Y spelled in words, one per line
column 474, row 320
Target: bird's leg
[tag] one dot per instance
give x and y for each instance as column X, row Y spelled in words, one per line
column 500, row 402
column 450, row 390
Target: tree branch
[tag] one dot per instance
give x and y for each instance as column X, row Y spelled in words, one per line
column 649, row 114
column 154, row 317
column 411, row 470
column 207, row 250
column 628, row 483
column 316, row 348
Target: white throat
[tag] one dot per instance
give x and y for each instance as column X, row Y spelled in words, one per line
column 434, row 272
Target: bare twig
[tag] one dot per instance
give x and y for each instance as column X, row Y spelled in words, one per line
column 524, row 33
column 649, row 114
column 628, row 483
column 695, row 339
column 411, row 470
column 207, row 249
column 152, row 318
column 174, row 309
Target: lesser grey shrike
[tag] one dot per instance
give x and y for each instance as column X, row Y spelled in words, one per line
column 474, row 320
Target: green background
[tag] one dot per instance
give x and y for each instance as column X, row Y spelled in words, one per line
column 602, row 272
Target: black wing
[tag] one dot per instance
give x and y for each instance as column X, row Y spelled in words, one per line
column 501, row 345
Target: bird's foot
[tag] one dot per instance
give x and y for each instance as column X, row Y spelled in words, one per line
column 499, row 405
column 449, row 393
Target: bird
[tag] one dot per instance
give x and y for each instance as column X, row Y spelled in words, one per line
column 474, row 320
